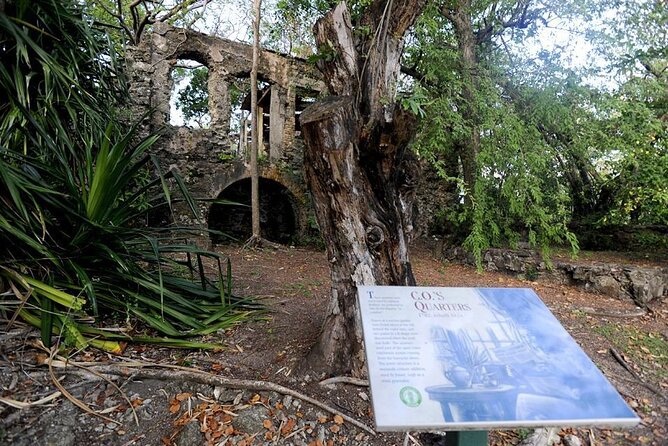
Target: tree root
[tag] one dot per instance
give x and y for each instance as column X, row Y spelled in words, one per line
column 259, row 243
column 620, row 359
column 344, row 379
column 76, row 401
column 147, row 370
column 603, row 313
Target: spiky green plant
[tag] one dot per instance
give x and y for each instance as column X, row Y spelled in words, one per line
column 71, row 199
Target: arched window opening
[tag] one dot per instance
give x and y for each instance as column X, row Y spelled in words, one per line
column 189, row 100
column 240, row 121
column 278, row 218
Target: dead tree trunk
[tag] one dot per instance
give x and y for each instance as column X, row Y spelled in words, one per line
column 359, row 170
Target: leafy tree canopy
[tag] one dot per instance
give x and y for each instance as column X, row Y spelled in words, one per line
column 555, row 143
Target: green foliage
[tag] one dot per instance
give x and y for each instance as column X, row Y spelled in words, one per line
column 193, row 99
column 518, row 185
column 518, row 194
column 325, row 53
column 288, row 26
column 311, row 236
column 650, row 241
column 303, row 288
column 548, row 151
column 73, row 191
column 415, row 101
column 227, row 157
column 637, row 138
column 523, row 434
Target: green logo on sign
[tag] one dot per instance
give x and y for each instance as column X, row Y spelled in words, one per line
column 410, row 396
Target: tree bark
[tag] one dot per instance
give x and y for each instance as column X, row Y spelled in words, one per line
column 255, row 140
column 361, row 175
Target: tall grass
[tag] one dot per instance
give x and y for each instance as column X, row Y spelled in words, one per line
column 74, row 185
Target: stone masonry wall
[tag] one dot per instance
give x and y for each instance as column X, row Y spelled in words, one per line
column 642, row 284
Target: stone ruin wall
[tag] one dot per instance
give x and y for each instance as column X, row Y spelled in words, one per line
column 196, row 153
column 644, row 285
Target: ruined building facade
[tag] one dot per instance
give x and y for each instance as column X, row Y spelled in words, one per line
column 213, row 160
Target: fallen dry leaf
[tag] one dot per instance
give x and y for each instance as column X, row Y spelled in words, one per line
column 174, row 407
column 285, row 430
column 183, row 396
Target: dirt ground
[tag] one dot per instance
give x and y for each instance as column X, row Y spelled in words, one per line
column 175, row 408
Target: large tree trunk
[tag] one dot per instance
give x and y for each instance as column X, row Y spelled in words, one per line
column 359, row 170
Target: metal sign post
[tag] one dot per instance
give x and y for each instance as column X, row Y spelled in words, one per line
column 466, row 438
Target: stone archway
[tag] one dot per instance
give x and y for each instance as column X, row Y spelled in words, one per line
column 278, row 212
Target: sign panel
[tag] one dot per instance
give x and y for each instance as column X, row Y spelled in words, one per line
column 478, row 359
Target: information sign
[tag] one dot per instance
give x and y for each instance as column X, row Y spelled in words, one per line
column 478, row 359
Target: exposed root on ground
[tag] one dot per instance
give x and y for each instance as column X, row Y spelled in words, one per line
column 260, row 243
column 620, row 359
column 165, row 372
column 76, row 401
column 620, row 314
column 346, row 380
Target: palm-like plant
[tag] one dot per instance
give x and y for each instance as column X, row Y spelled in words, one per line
column 71, row 194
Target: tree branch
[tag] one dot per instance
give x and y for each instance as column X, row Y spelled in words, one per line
column 520, row 18
column 182, row 7
column 139, row 20
column 97, row 23
column 412, row 72
column 118, row 16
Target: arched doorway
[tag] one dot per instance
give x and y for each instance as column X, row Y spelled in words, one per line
column 278, row 217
